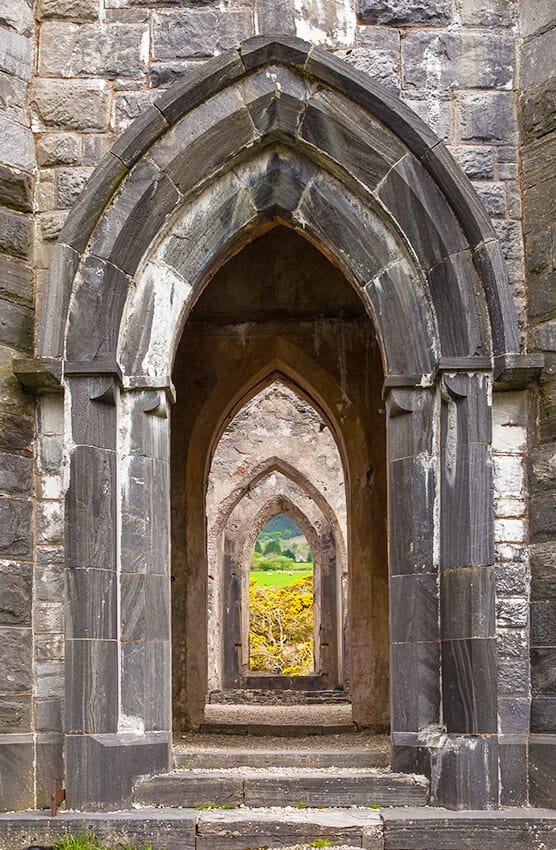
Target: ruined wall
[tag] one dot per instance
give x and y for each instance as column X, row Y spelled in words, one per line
column 17, row 167
column 538, row 137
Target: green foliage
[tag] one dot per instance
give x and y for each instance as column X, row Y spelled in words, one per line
column 273, row 579
column 288, row 553
column 282, row 524
column 89, row 841
column 257, row 548
column 203, row 806
column 321, row 842
column 272, row 547
column 309, row 557
column 281, row 628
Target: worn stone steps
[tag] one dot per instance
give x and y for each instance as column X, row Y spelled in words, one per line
column 276, row 730
column 280, row 757
column 282, row 787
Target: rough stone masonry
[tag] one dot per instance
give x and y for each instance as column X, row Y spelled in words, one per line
column 74, row 74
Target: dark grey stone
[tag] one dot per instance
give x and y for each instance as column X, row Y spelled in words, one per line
column 512, row 612
column 15, row 714
column 16, row 282
column 511, row 579
column 542, row 518
column 275, row 100
column 421, row 211
column 410, row 428
column 158, row 708
column 469, row 685
column 513, row 714
column 413, row 488
column 275, row 16
column 465, row 775
column 15, row 234
column 467, row 536
column 96, row 50
column 49, row 573
column 543, row 623
column 16, row 592
column 146, row 199
column 157, row 596
column 265, row 49
column 16, row 189
column 513, row 676
column 91, row 669
column 49, row 765
column 90, row 509
column 542, row 781
column 414, row 608
column 198, row 33
column 16, row 534
column 485, row 117
column 16, row 660
column 468, row 595
column 415, row 672
column 198, row 144
column 48, row 715
column 15, row 475
column 543, row 714
column 199, row 84
column 101, row 769
column 92, row 604
column 512, row 643
column 16, row 434
column 132, row 607
column 51, row 329
column 138, row 138
column 93, row 423
column 133, row 654
column 16, row 772
column 404, row 13
column 543, row 671
column 69, row 184
column 278, row 190
column 16, row 327
column 350, row 136
column 102, row 184
column 455, row 288
column 158, row 488
column 537, row 110
column 339, row 220
column 513, row 771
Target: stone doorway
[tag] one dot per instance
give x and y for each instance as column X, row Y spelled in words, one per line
column 279, row 333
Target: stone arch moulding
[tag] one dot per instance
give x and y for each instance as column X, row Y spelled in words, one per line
column 277, row 130
column 274, row 493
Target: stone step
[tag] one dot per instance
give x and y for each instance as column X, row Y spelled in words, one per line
column 286, row 830
column 280, row 757
column 276, row 730
column 282, row 787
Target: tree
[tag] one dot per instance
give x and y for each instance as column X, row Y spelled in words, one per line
column 273, row 547
column 258, row 547
column 281, row 628
column 309, row 557
column 288, row 553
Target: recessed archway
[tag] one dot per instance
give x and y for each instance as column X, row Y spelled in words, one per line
column 222, row 157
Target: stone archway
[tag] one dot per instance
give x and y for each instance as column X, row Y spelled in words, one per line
column 279, row 130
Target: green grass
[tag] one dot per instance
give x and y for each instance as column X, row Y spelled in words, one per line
column 275, row 579
column 89, row 841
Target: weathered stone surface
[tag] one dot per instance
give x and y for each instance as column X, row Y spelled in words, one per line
column 542, row 782
column 92, row 704
column 15, row 475
column 543, row 671
column 468, row 609
column 48, row 617
column 16, row 772
column 537, row 59
column 15, row 594
column 16, row 54
column 69, row 185
column 415, row 685
column 469, row 686
column 16, row 326
column 17, row 142
column 198, row 33
column 444, row 59
column 16, row 189
column 485, row 117
column 16, row 433
column 404, row 13
column 48, row 714
column 90, row 509
column 513, row 676
column 75, row 10
column 93, row 50
column 58, row 149
column 476, row 160
column 13, row 99
column 414, row 601
column 15, row 660
column 381, row 65
column 15, row 714
column 15, row 527
column 465, row 776
column 92, row 604
column 71, row 105
column 275, row 16
column 488, row 13
column 538, row 116
column 17, row 16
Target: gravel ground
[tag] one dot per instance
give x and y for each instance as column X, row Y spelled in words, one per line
column 317, row 743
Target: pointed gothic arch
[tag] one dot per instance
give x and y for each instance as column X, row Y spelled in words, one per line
column 222, row 156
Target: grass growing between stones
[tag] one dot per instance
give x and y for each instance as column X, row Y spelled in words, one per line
column 89, row 841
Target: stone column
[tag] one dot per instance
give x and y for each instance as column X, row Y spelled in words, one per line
column 413, row 465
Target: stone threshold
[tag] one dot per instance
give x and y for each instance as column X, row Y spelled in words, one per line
column 190, row 829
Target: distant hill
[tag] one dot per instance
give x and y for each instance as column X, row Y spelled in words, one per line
column 282, row 524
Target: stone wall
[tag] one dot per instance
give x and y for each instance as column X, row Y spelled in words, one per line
column 538, row 137
column 17, row 171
